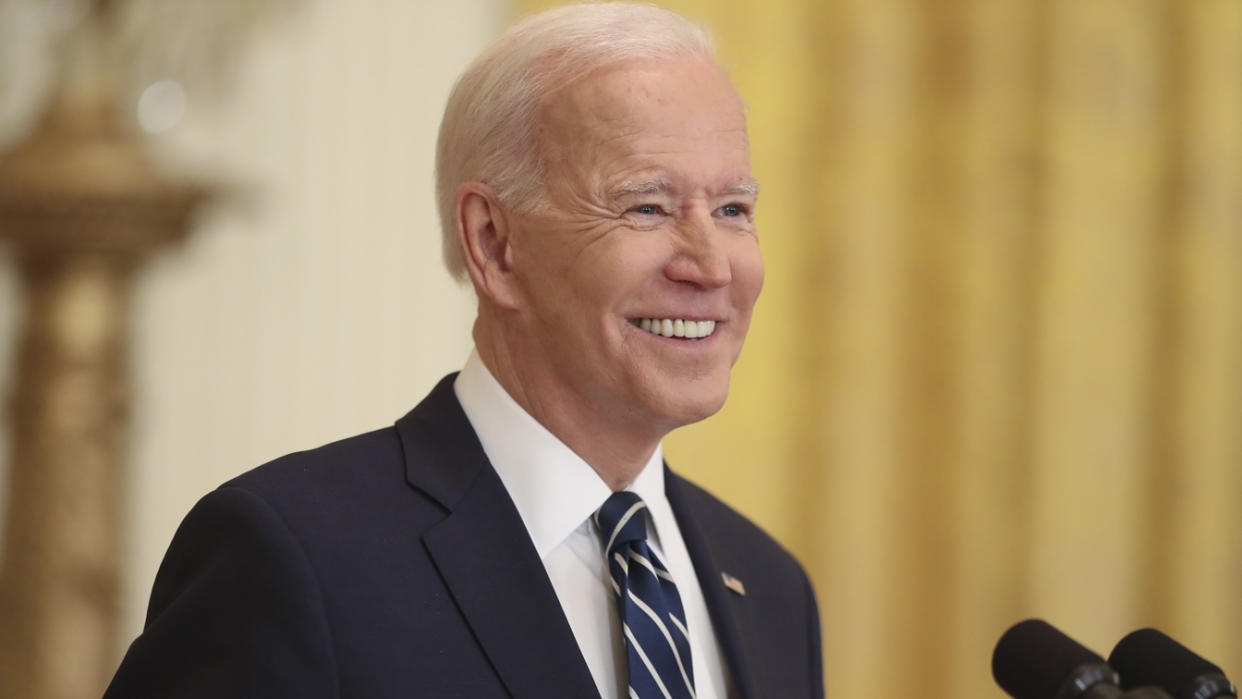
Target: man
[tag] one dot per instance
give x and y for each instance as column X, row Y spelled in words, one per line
column 517, row 534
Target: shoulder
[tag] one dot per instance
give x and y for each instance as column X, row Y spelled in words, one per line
column 344, row 465
column 718, row 520
column 427, row 447
column 735, row 542
column 771, row 595
column 335, row 498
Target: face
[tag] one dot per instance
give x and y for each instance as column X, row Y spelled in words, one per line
column 638, row 272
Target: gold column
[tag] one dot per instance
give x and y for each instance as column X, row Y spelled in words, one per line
column 80, row 207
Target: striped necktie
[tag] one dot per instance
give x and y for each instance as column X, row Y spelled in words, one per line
column 656, row 642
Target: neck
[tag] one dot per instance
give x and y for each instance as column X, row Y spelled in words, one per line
column 616, row 452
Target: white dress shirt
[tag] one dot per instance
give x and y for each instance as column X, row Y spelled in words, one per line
column 556, row 492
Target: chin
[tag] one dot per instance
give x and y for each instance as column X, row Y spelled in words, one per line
column 684, row 410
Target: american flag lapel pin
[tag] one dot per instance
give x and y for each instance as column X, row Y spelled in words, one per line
column 733, row 583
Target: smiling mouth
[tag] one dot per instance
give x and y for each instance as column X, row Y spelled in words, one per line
column 676, row 327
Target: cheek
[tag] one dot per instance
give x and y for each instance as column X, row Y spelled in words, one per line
column 620, row 267
column 748, row 273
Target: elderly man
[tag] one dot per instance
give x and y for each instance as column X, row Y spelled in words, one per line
column 517, row 534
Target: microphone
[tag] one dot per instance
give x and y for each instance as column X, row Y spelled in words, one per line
column 1033, row 660
column 1148, row 657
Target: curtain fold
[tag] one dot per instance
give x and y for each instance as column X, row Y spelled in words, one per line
column 996, row 370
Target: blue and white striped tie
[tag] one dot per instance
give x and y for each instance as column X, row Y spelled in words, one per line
column 656, row 642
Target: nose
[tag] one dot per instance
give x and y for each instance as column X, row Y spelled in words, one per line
column 700, row 254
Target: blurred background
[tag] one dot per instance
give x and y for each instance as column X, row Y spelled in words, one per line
column 996, row 371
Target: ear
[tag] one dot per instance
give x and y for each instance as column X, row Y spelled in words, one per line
column 483, row 230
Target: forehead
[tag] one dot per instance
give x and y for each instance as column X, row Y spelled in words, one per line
column 647, row 113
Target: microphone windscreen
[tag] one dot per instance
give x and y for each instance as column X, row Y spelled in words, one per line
column 1033, row 660
column 1148, row 657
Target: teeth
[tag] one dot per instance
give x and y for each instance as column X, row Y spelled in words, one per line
column 677, row 327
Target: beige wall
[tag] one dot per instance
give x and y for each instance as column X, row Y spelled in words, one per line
column 312, row 305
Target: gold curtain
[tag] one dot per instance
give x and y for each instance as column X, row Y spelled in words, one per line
column 996, row 371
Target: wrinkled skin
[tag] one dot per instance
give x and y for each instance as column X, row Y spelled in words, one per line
column 648, row 212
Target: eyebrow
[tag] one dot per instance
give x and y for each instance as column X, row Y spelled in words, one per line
column 750, row 187
column 630, row 188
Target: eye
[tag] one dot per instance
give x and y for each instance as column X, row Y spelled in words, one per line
column 732, row 210
column 647, row 210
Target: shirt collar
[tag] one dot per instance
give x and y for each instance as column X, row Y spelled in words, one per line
column 554, row 490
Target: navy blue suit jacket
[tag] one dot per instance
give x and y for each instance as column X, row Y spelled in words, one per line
column 394, row 564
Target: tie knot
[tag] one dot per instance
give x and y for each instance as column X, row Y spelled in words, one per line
column 620, row 520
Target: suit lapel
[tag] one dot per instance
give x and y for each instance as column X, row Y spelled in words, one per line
column 486, row 558
column 726, row 608
column 502, row 588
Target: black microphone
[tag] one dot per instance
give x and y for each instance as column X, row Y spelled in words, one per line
column 1033, row 660
column 1148, row 657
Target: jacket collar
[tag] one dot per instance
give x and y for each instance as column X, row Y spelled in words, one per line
column 482, row 540
column 727, row 609
column 485, row 557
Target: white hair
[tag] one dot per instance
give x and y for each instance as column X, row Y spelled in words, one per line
column 490, row 128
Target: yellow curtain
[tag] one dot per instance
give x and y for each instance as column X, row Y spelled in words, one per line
column 996, row 371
